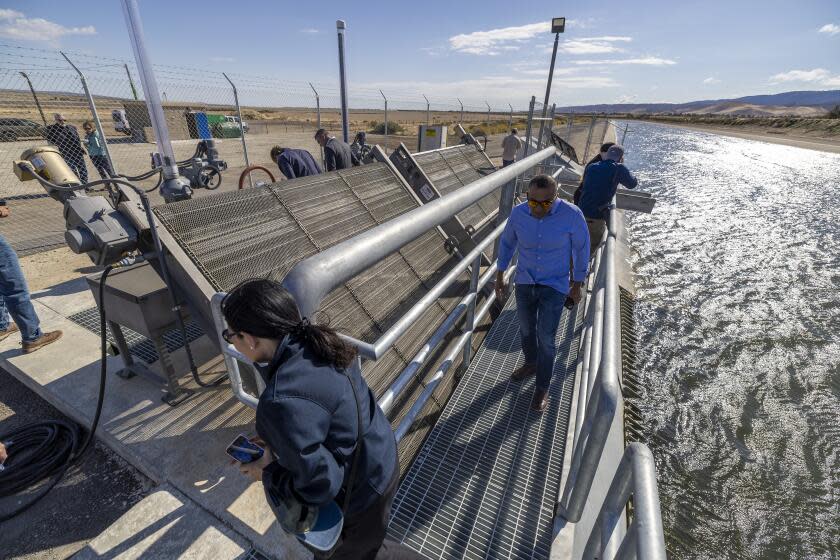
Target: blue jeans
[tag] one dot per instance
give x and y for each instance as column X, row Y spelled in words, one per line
column 14, row 296
column 539, row 308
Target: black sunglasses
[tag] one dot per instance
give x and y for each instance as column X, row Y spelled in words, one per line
column 228, row 335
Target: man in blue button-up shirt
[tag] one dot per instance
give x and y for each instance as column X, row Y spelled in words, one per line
column 549, row 234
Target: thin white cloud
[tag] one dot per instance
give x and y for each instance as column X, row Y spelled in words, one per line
column 309, row 30
column 222, row 59
column 711, row 80
column 609, row 39
column 544, row 71
column 830, row 29
column 645, row 61
column 594, row 45
column 819, row 76
column 587, row 47
column 15, row 25
column 626, row 98
column 495, row 41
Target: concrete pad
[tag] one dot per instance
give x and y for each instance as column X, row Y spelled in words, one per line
column 165, row 524
column 182, row 446
column 67, row 298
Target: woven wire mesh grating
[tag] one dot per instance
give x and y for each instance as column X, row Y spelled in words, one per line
column 265, row 231
column 452, row 168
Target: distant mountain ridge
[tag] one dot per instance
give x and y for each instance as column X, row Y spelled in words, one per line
column 801, row 103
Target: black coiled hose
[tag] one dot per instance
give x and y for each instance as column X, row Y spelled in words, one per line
column 47, row 449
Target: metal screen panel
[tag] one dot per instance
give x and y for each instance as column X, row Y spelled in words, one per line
column 265, row 231
column 452, row 168
column 486, row 479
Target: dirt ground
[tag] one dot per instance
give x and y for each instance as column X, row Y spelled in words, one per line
column 87, row 501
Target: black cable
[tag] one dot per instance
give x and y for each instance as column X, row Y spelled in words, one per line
column 47, row 449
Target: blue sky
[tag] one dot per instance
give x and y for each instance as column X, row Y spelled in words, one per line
column 642, row 51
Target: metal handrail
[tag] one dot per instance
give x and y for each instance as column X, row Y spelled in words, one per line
column 636, row 476
column 313, row 278
column 388, row 338
column 602, row 404
column 597, row 403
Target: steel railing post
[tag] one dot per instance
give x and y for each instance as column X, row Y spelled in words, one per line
column 241, row 127
column 386, row 120
column 318, row 116
column 92, row 106
column 131, row 82
column 469, row 321
column 34, row 96
column 588, row 139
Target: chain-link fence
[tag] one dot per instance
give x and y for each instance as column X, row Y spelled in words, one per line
column 92, row 110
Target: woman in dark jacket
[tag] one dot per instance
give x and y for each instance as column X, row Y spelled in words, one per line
column 309, row 421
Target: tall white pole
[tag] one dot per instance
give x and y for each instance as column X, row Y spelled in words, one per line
column 341, row 27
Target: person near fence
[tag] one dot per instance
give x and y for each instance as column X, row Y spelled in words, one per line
column 17, row 313
column 600, row 156
column 65, row 137
column 337, row 154
column 599, row 186
column 510, row 147
column 96, row 151
column 294, row 163
column 548, row 233
column 360, row 148
column 315, row 415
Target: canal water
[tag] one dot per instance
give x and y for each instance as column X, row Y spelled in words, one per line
column 738, row 316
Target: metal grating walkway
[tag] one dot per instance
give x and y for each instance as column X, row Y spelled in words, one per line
column 141, row 348
column 486, row 480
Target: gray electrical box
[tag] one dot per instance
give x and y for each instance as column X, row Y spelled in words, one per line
column 431, row 137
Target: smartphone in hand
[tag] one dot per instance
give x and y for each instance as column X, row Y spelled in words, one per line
column 244, row 450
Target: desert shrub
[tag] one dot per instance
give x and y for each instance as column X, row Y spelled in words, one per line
column 393, row 128
column 834, row 113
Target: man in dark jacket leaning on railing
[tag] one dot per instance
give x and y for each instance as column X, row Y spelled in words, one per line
column 599, row 186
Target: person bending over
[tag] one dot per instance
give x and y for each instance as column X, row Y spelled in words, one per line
column 308, row 416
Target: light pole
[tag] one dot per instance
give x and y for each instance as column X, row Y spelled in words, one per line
column 510, row 118
column 557, row 27
column 35, row 96
column 488, row 114
column 462, row 111
column 345, row 118
column 428, row 121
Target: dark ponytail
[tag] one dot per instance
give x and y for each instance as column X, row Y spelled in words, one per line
column 265, row 309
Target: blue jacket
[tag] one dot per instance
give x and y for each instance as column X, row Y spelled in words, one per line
column 297, row 163
column 307, row 416
column 546, row 246
column 600, row 184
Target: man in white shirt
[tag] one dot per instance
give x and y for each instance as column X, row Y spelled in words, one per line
column 510, row 146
